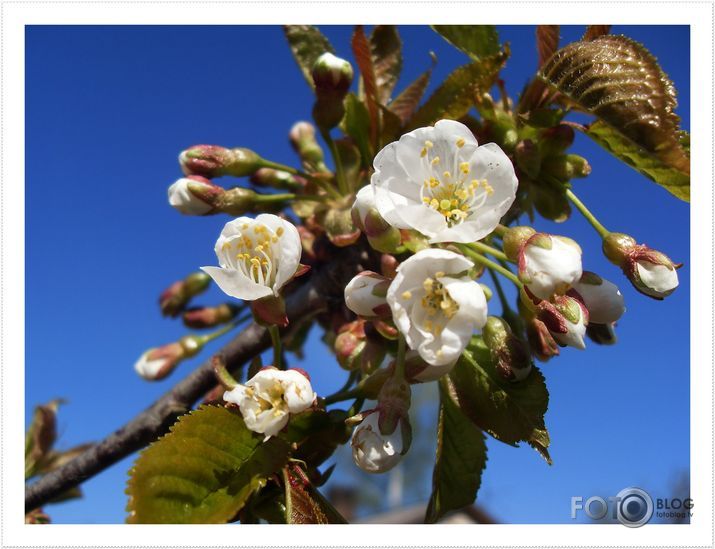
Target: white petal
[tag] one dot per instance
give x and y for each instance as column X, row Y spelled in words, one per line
column 235, row 284
column 298, row 395
column 658, row 278
column 550, row 269
column 604, row 301
column 181, row 198
column 286, row 251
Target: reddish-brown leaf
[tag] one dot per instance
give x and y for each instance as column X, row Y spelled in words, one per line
column 363, row 57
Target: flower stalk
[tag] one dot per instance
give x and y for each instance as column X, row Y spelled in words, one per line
column 581, row 207
column 489, row 264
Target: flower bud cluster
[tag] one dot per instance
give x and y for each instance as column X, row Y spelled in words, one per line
column 176, row 297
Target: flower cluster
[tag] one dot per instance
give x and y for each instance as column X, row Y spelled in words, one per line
column 432, row 217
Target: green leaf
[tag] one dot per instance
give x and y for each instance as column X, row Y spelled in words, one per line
column 461, row 458
column 318, row 434
column 477, row 41
column 307, row 44
column 386, row 49
column 455, row 96
column 357, row 125
column 306, row 505
column 620, row 82
column 405, row 104
column 510, row 412
column 203, row 470
column 674, row 180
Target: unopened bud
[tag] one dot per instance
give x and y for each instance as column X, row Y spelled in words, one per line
column 276, row 179
column 173, row 300
column 349, row 344
column 550, row 202
column 340, row 228
column 558, row 166
column 184, row 197
column 332, row 75
column 602, row 298
column 215, row 161
column 365, row 295
column 302, row 137
column 372, row 450
column 556, row 139
column 579, row 166
column 509, row 353
column 208, row 317
column 159, row 362
column 651, row 272
column 388, row 265
column 514, row 239
column 237, row 201
column 393, row 403
column 566, row 319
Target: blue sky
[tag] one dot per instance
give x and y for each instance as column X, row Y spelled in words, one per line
column 108, row 109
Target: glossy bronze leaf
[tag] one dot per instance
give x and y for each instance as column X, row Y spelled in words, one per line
column 304, row 504
column 620, row 82
column 386, row 49
column 405, row 104
column 547, row 41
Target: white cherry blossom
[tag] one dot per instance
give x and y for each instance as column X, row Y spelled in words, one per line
column 256, row 256
column 440, row 182
column 268, row 398
column 436, row 305
column 656, row 280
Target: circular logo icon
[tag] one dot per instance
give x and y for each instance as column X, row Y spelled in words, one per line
column 634, row 507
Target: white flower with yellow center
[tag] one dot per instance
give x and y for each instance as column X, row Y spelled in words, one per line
column 256, row 256
column 436, row 305
column 268, row 398
column 438, row 181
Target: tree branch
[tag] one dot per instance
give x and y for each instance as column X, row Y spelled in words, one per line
column 323, row 289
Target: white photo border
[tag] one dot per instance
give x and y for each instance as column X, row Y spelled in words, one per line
column 16, row 14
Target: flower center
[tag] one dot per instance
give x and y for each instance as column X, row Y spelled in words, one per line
column 451, row 192
column 271, row 399
column 438, row 304
column 254, row 247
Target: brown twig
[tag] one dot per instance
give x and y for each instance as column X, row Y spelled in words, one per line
column 322, row 287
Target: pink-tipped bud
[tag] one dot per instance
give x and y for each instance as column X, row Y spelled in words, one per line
column 651, row 272
column 208, row 317
column 193, row 195
column 510, row 354
column 528, row 157
column 157, row 363
column 215, row 161
column 302, row 138
column 365, row 295
column 557, row 138
column 173, row 300
column 349, row 344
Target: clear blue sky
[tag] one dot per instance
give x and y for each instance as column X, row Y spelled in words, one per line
column 108, row 110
